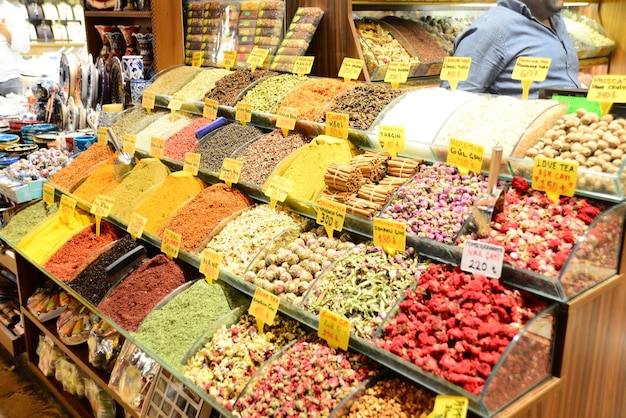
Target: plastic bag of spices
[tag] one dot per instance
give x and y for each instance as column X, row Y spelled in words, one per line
column 105, row 343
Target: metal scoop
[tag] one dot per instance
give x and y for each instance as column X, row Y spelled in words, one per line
column 124, row 162
column 492, row 202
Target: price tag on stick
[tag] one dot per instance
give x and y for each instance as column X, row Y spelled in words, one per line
column 171, row 243
column 136, row 225
column 101, row 208
column 230, row 58
column 455, row 69
column 555, row 177
column 209, row 111
column 449, row 407
column 335, row 329
column 48, row 194
column 130, row 142
column 192, row 163
column 243, row 113
column 67, row 205
column 397, row 73
column 606, row 90
column 391, row 139
column 157, row 147
column 389, row 235
column 303, row 65
column 529, row 69
column 331, row 215
column 103, row 136
column 210, row 264
column 350, row 69
column 278, row 189
column 231, row 171
column 197, row 58
column 466, row 156
column 263, row 307
column 257, row 57
column 147, row 100
column 286, row 119
column 482, row 258
column 337, row 124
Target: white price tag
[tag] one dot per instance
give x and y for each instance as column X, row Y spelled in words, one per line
column 482, row 258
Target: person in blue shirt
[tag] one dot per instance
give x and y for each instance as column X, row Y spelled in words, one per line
column 514, row 28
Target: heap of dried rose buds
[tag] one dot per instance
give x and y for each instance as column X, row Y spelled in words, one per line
column 226, row 363
column 364, row 286
column 536, row 234
column 308, row 380
column 436, row 202
column 457, row 325
column 289, row 271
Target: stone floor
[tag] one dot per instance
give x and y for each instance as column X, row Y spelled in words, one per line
column 21, row 394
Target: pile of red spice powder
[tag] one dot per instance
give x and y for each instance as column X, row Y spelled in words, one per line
column 68, row 258
column 131, row 300
column 184, row 140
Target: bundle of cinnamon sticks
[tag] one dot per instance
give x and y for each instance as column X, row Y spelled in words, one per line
column 372, row 164
column 344, row 178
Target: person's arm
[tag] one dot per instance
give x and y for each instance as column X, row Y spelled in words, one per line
column 16, row 34
column 485, row 47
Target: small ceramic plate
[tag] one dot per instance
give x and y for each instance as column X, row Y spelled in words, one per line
column 64, row 76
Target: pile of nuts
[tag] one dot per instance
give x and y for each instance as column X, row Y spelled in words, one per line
column 596, row 144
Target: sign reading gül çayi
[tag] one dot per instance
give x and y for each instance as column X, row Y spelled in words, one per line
column 466, row 156
column 482, row 258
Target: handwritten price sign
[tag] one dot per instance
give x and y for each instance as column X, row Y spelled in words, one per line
column 210, row 265
column 264, row 307
column 230, row 58
column 48, row 194
column 303, row 65
column 102, row 205
column 257, row 57
column 278, row 189
column 331, row 215
column 555, row 177
column 450, row 407
column 529, row 69
column 350, row 68
column 334, row 329
column 66, row 208
column 389, row 235
column 130, row 142
column 136, row 225
column 157, row 147
column 466, row 156
column 455, row 69
column 171, row 243
column 397, row 73
column 607, row 89
column 148, row 99
column 482, row 258
column 337, row 124
column 192, row 163
column 243, row 113
column 286, row 119
column 231, row 171
column 391, row 139
column 209, row 111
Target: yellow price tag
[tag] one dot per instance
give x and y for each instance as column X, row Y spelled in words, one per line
column 209, row 111
column 171, row 243
column 66, row 208
column 230, row 58
column 157, row 147
column 102, row 205
column 278, row 189
column 192, row 163
column 350, row 68
column 455, row 69
column 197, row 59
column 529, row 69
column 230, row 171
column 243, row 113
column 136, row 225
column 331, row 215
column 286, row 119
column 263, row 307
column 210, row 264
column 607, row 89
column 450, row 407
column 335, row 329
column 103, row 136
column 466, row 156
column 555, row 177
column 257, row 57
column 130, row 142
column 48, row 194
column 303, row 65
column 391, row 139
column 389, row 235
column 176, row 102
column 147, row 100
column 397, row 73
column 337, row 125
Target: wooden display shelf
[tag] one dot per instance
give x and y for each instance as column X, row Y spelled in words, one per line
column 79, row 354
column 112, row 13
column 14, row 344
